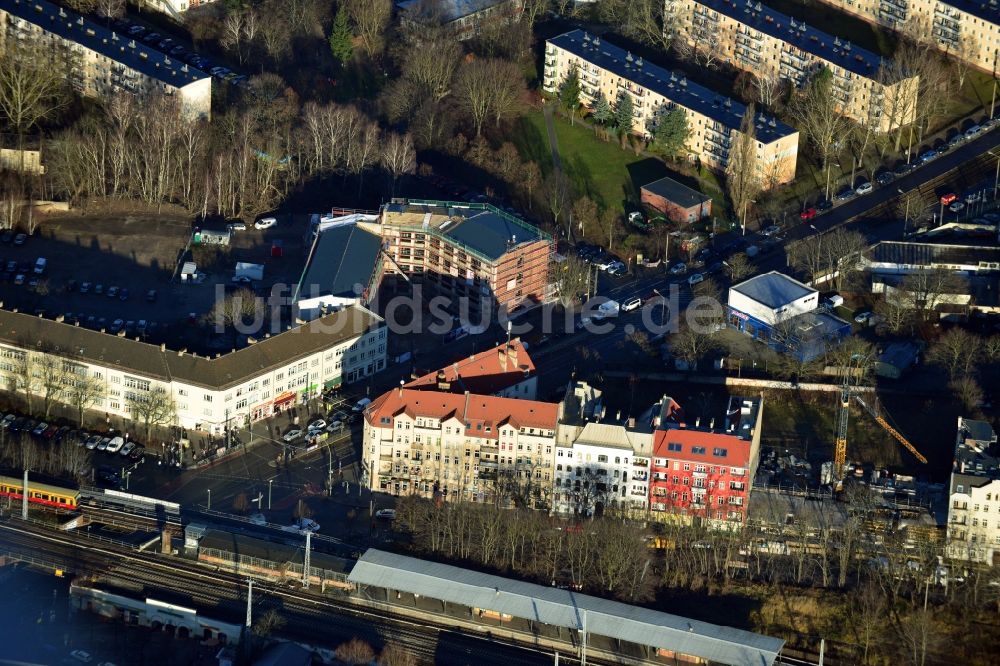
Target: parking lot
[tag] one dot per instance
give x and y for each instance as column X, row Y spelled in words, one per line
column 121, row 271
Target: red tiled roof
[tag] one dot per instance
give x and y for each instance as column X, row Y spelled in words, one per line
column 478, row 412
column 484, row 373
column 737, row 449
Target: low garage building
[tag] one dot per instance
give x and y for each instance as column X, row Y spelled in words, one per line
column 678, row 202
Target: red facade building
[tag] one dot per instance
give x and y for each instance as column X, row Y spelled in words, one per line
column 706, row 472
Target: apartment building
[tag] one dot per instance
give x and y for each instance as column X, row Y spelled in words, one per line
column 713, row 120
column 462, row 18
column 974, row 502
column 100, row 62
column 469, row 251
column 460, row 446
column 699, row 471
column 40, row 357
column 968, row 30
column 753, row 37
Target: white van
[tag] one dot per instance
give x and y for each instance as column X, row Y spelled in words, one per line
column 361, row 404
column 265, row 223
column 115, row 445
column 40, row 265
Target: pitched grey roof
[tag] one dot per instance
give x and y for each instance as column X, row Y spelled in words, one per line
column 928, row 254
column 678, row 193
column 773, row 289
column 341, row 259
column 146, row 360
column 95, row 36
column 565, row 608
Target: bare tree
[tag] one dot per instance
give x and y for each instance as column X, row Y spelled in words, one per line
column 556, row 190
column 394, row 654
column 370, row 19
column 740, row 267
column 32, row 89
column 743, row 173
column 966, row 51
column 957, row 351
column 110, row 9
column 268, row 623
column 51, row 382
column 691, row 346
column 25, row 375
column 571, row 278
column 648, row 21
column 398, row 157
column 488, row 87
column 818, row 116
column 355, row 651
column 924, row 291
column 150, row 409
column 428, row 60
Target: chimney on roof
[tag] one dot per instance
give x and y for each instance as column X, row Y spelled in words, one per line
column 102, row 330
column 503, row 359
column 618, row 416
column 631, row 422
column 217, row 354
column 711, row 424
column 400, row 388
column 512, row 352
column 697, row 421
column 121, row 334
column 163, row 346
column 181, row 352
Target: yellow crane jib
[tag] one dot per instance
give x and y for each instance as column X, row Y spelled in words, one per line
column 892, row 431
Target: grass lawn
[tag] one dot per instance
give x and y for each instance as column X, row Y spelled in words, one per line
column 597, row 168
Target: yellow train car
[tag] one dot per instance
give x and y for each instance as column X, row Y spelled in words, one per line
column 46, row 494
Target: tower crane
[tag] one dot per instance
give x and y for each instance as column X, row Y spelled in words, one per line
column 840, row 450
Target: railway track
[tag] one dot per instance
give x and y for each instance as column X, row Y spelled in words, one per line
column 310, row 618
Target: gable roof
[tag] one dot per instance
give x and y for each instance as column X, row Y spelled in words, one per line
column 121, row 48
column 483, row 415
column 565, row 608
column 485, row 373
column 132, row 356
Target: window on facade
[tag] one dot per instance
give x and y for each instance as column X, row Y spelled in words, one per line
column 719, row 453
column 673, row 446
column 208, row 398
column 698, row 449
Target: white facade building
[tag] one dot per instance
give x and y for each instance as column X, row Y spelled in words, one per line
column 974, row 501
column 100, row 62
column 601, row 466
column 209, row 394
column 773, row 298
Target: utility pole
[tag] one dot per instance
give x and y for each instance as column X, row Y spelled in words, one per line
column 209, row 499
column 269, row 482
column 250, row 603
column 305, row 561
column 24, row 497
column 822, row 649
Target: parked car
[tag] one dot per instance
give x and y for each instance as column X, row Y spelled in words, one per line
column 115, row 445
column 127, row 449
column 265, row 223
column 92, row 442
column 928, row 155
column 20, row 239
column 386, row 514
column 863, row 317
column 317, row 425
column 123, row 294
column 772, row 230
column 236, row 226
column 883, row 178
column 50, row 432
column 40, row 428
column 678, row 268
column 84, row 287
column 360, row 405
column 19, row 279
column 973, row 132
column 7, row 236
column 956, row 207
column 696, row 278
column 631, row 304
column 151, row 296
column 335, row 426
column 99, row 289
column 112, row 292
column 292, row 435
column 864, row 188
column 7, row 420
column 902, row 168
column 137, row 453
column 845, row 193
column 807, row 214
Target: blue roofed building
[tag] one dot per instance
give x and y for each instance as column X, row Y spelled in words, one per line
column 784, row 313
column 469, row 251
column 751, row 36
column 713, row 120
column 99, row 61
column 463, row 18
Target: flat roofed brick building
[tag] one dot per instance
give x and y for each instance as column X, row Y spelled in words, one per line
column 467, row 250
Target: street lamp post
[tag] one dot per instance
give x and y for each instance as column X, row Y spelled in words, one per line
column 209, row 499
column 906, row 211
column 269, row 482
column 996, row 178
column 746, row 204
